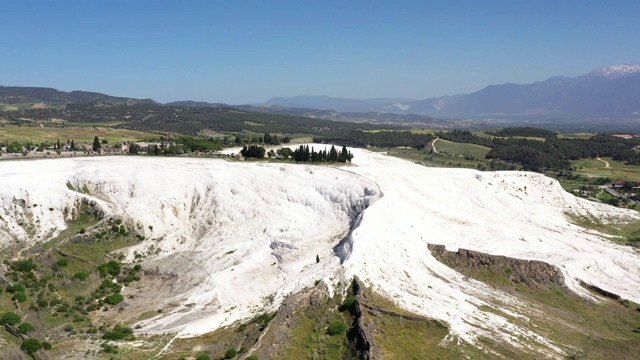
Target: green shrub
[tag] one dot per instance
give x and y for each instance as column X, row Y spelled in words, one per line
column 114, row 299
column 81, row 275
column 252, row 357
column 46, row 345
column 20, row 296
column 230, row 354
column 10, row 318
column 43, row 303
column 62, row 262
column 23, row 265
column 203, row 357
column 31, row 346
column 348, row 303
column 16, row 288
column 109, row 349
column 118, row 333
column 112, row 268
column 25, row 328
column 337, row 327
column 264, row 320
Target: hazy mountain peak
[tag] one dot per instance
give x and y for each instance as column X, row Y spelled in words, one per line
column 616, row 71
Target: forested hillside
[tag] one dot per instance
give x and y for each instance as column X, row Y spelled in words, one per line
column 533, row 149
column 186, row 120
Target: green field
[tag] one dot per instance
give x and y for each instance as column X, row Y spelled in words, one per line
column 413, row 131
column 576, row 136
column 35, row 134
column 462, row 149
column 616, row 169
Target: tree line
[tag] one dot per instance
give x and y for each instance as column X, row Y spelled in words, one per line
column 300, row 154
column 509, row 145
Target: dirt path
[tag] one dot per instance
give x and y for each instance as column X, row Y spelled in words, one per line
column 433, row 145
column 606, row 163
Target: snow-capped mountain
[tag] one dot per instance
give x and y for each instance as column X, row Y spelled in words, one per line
column 616, row 71
column 608, row 91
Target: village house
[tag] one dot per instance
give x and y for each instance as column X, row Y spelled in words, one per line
column 618, row 184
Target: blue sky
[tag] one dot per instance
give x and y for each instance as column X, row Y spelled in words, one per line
column 248, row 51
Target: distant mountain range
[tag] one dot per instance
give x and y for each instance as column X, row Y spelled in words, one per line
column 612, row 91
column 189, row 103
column 23, row 95
column 608, row 91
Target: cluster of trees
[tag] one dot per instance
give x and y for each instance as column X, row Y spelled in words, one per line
column 304, row 154
column 253, row 151
column 523, row 132
column 301, row 154
column 552, row 153
column 16, row 146
column 509, row 145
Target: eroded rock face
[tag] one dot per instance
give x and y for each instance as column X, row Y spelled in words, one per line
column 303, row 304
column 533, row 273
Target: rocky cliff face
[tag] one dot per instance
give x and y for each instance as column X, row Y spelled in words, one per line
column 535, row 274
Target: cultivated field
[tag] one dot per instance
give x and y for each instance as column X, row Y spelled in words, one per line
column 616, row 169
column 37, row 135
column 462, row 149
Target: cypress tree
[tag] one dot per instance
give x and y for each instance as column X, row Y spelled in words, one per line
column 96, row 144
column 333, row 154
column 344, row 155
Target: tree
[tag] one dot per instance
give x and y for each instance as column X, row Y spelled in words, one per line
column 345, row 155
column 253, row 151
column 14, row 147
column 73, row 146
column 317, row 259
column 96, row 144
column 31, row 346
column 285, row 152
column 58, row 144
column 333, row 154
column 10, row 318
column 25, row 328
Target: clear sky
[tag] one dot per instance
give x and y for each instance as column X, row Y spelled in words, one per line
column 249, row 51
